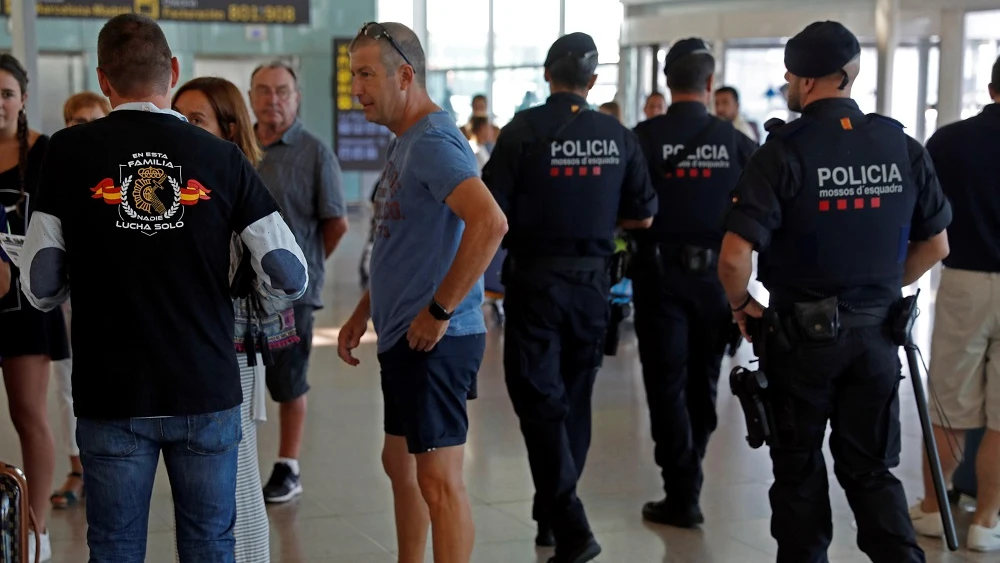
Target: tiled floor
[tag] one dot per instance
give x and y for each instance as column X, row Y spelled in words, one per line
column 345, row 515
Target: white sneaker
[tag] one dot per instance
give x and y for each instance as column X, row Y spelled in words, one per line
column 984, row 539
column 926, row 523
column 46, row 544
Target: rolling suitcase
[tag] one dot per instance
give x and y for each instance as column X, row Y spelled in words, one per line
column 16, row 517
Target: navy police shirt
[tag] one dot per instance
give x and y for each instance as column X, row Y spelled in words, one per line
column 700, row 187
column 771, row 188
column 563, row 175
column 965, row 156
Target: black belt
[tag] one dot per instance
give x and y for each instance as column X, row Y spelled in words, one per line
column 561, row 263
column 861, row 318
column 680, row 253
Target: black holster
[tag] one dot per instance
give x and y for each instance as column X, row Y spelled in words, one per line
column 732, row 338
column 901, row 317
column 752, row 388
column 698, row 260
column 818, row 321
column 619, row 312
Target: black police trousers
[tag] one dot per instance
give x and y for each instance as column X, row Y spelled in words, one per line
column 680, row 321
column 553, row 346
column 853, row 383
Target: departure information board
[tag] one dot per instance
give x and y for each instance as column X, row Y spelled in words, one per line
column 360, row 144
column 287, row 12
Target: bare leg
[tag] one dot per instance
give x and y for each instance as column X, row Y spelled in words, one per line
column 988, row 480
column 949, row 443
column 27, row 382
column 292, row 417
column 440, row 476
column 412, row 515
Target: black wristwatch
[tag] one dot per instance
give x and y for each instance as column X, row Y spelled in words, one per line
column 439, row 312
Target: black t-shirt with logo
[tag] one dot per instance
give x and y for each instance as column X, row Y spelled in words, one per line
column 147, row 205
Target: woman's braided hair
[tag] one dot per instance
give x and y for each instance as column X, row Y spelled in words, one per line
column 11, row 65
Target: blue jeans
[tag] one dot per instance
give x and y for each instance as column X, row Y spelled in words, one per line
column 119, row 465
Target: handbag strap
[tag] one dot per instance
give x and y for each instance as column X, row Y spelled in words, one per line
column 33, row 524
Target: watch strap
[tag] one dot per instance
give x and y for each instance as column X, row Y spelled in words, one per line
column 439, row 312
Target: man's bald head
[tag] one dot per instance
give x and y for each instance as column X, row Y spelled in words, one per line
column 405, row 40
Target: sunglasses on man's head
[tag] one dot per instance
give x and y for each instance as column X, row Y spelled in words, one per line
column 376, row 31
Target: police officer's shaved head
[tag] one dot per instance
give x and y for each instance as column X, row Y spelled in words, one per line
column 689, row 67
column 399, row 46
column 572, row 62
column 822, row 61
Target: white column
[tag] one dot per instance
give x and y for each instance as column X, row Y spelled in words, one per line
column 562, row 18
column 420, row 21
column 886, row 39
column 719, row 52
column 25, row 48
column 923, row 71
column 491, row 47
column 952, row 73
column 628, row 82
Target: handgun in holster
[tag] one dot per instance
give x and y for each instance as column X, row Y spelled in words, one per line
column 752, row 388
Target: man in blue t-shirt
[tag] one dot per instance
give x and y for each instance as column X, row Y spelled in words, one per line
column 437, row 228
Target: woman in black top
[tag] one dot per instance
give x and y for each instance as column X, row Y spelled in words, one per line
column 29, row 339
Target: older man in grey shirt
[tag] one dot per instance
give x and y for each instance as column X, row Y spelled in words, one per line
column 304, row 176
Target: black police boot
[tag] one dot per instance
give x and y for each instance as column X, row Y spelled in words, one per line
column 545, row 537
column 586, row 551
column 670, row 514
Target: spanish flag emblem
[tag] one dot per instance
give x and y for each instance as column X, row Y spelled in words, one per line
column 108, row 191
column 194, row 192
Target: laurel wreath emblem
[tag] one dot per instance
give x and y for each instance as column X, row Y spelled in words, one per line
column 177, row 198
column 126, row 184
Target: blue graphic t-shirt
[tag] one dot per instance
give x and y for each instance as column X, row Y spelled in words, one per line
column 416, row 233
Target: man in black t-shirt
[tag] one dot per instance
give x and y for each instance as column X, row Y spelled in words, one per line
column 137, row 211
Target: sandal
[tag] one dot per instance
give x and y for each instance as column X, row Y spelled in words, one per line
column 68, row 498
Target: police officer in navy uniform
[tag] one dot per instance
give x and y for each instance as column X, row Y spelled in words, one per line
column 845, row 210
column 681, row 316
column 566, row 176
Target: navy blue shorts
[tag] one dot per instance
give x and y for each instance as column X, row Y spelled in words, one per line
column 425, row 392
column 286, row 379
